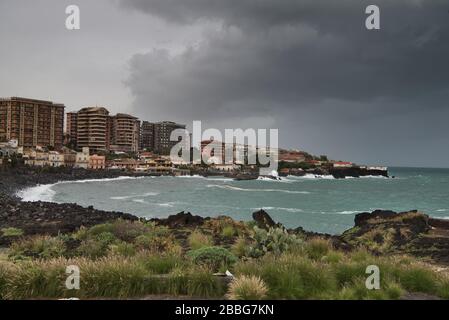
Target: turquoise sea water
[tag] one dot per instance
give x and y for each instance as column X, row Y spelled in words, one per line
column 319, row 204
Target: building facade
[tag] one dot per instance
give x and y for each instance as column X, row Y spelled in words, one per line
column 125, row 133
column 82, row 158
column 162, row 132
column 71, row 127
column 93, row 129
column 97, row 162
column 147, row 136
column 31, row 122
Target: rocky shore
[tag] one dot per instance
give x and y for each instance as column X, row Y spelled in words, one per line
column 383, row 232
column 15, row 179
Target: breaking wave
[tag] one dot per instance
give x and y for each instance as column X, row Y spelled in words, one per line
column 42, row 192
column 293, row 210
column 135, row 196
column 228, row 187
column 45, row 192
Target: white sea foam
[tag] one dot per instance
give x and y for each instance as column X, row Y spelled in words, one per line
column 148, row 194
column 346, row 212
column 278, row 179
column 46, row 193
column 373, row 177
column 228, row 187
column 205, row 178
column 442, row 210
column 42, row 192
column 312, row 176
column 293, row 210
column 168, row 204
column 101, row 180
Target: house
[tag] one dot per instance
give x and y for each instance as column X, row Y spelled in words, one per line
column 8, row 149
column 125, row 164
column 291, row 156
column 82, row 158
column 227, row 167
column 36, row 158
column 55, row 159
column 342, row 164
column 97, row 162
column 69, row 157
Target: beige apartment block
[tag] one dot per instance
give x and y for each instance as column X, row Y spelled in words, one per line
column 93, row 129
column 125, row 133
column 31, row 122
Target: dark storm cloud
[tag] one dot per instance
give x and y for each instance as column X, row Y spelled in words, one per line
column 303, row 60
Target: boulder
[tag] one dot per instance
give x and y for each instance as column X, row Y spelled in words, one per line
column 263, row 220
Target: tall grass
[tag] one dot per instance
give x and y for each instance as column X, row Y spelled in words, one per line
column 198, row 240
column 114, row 276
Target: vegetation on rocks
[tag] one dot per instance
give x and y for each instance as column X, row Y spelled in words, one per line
column 181, row 256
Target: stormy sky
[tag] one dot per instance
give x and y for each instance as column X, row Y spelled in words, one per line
column 307, row 67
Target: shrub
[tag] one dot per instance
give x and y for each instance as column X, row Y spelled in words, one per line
column 317, row 248
column 202, row 283
column 333, row 257
column 162, row 263
column 346, row 273
column 240, row 247
column 228, row 231
column 247, row 288
column 443, row 288
column 199, row 240
column 12, row 232
column 213, row 257
column 42, row 247
column 124, row 230
column 418, row 279
column 96, row 247
column 157, row 243
column 123, row 249
column 289, row 276
column 276, row 240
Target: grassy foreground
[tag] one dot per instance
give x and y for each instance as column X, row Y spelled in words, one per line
column 125, row 259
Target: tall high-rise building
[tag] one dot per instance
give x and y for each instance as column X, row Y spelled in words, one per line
column 71, row 127
column 147, row 136
column 125, row 133
column 31, row 122
column 162, row 132
column 93, row 129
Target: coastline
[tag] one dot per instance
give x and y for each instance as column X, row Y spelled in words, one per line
column 51, row 218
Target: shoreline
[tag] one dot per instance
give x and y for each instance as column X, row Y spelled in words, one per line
column 48, row 218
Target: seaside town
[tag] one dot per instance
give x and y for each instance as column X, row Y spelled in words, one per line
column 39, row 133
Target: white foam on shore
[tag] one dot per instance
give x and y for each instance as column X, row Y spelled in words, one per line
column 42, row 192
column 312, row 176
column 228, row 187
column 148, row 194
column 214, row 178
column 293, row 210
column 346, row 212
column 45, row 192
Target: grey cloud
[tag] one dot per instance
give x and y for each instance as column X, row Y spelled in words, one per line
column 302, row 60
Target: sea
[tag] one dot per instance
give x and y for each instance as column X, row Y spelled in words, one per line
column 316, row 203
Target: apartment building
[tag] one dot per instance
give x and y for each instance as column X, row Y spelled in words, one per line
column 125, row 133
column 147, row 136
column 93, row 129
column 71, row 127
column 162, row 132
column 31, row 122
